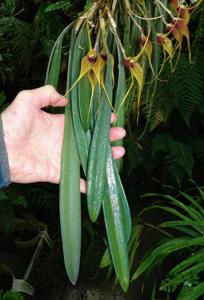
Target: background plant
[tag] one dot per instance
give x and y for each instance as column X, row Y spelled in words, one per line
column 95, row 42
column 11, row 296
column 182, row 239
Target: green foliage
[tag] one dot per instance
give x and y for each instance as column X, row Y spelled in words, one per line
column 88, row 4
column 60, row 5
column 11, row 296
column 183, row 238
column 15, row 36
column 177, row 155
column 8, row 7
column 170, row 151
column 25, row 45
column 11, row 204
column 133, row 245
column 173, row 159
column 185, row 87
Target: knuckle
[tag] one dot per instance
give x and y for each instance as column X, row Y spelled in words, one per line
column 50, row 89
column 23, row 94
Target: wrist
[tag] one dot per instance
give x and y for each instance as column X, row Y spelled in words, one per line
column 11, row 147
column 4, row 164
column 21, row 164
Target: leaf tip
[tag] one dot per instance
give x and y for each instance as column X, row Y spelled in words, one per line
column 73, row 277
column 124, row 283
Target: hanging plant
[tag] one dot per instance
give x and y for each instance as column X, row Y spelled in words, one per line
column 117, row 51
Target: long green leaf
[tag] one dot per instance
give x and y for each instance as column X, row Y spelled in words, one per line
column 98, row 156
column 54, row 71
column 189, row 210
column 119, row 106
column 83, row 139
column 197, row 257
column 200, row 211
column 198, row 225
column 115, row 225
column 118, row 246
column 187, row 275
column 123, row 203
column 54, row 64
column 165, row 249
column 195, row 293
column 70, row 202
column 169, row 210
column 106, row 259
column 134, row 243
column 84, row 98
column 177, row 203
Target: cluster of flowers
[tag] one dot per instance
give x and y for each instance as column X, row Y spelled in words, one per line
column 175, row 17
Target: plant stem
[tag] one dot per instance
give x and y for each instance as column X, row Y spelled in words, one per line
column 165, row 8
column 159, row 8
column 135, row 22
column 147, row 18
column 114, row 6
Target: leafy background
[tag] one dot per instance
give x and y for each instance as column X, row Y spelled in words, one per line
column 164, row 161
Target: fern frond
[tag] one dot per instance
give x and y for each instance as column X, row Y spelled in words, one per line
column 198, row 45
column 23, row 42
column 185, row 87
column 161, row 108
column 179, row 155
column 197, row 145
column 7, row 7
column 60, row 5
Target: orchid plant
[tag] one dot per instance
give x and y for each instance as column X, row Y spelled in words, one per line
column 117, row 51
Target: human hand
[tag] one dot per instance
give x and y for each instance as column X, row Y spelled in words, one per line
column 34, row 137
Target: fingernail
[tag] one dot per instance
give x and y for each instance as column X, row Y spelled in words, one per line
column 122, row 132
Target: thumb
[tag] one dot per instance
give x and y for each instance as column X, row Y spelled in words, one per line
column 45, row 96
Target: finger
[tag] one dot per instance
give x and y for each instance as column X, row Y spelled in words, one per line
column 83, row 187
column 45, row 96
column 117, row 133
column 118, row 152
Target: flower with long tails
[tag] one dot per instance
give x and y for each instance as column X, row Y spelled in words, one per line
column 184, row 13
column 137, row 73
column 92, row 65
column 166, row 44
column 148, row 49
column 87, row 63
column 181, row 26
